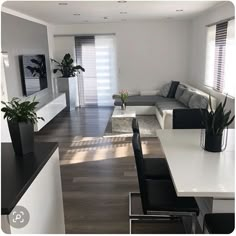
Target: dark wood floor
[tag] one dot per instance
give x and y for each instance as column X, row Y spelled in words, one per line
column 97, row 172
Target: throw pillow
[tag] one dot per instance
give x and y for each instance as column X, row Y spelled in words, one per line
column 133, row 93
column 165, row 90
column 198, row 101
column 173, row 87
column 185, row 97
column 179, row 91
column 149, row 92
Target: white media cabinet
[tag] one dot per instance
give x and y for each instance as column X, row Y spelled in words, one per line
column 49, row 108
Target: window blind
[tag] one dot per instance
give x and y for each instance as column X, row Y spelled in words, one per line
column 97, row 55
column 86, row 56
column 220, row 57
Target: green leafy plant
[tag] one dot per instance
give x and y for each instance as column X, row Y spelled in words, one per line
column 39, row 69
column 20, row 111
column 216, row 121
column 124, row 95
column 66, row 67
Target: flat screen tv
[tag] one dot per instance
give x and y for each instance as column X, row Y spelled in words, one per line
column 33, row 73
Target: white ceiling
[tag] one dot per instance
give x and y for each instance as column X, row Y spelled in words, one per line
column 95, row 11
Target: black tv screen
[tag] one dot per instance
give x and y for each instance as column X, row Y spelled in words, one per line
column 33, row 73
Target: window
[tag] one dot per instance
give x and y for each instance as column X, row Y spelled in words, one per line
column 98, row 83
column 220, row 57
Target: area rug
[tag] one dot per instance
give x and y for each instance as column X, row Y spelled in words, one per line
column 148, row 126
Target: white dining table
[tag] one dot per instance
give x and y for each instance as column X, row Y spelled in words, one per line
column 195, row 172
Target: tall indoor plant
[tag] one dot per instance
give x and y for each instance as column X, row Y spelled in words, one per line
column 67, row 67
column 67, row 83
column 215, row 122
column 21, row 117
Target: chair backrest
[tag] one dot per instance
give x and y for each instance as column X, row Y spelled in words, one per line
column 140, row 170
column 188, row 118
column 135, row 125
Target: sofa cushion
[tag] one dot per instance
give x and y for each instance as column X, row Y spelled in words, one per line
column 185, row 97
column 169, row 104
column 140, row 100
column 179, row 91
column 198, row 101
column 172, row 90
column 165, row 90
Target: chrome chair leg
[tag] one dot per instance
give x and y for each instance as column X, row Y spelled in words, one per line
column 162, row 215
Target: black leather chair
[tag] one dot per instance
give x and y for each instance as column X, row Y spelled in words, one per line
column 219, row 223
column 188, row 118
column 158, row 197
column 154, row 168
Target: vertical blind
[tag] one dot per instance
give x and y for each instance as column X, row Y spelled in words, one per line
column 97, row 55
column 220, row 57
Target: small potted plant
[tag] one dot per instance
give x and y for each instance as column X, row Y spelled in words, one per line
column 123, row 97
column 21, row 117
column 215, row 122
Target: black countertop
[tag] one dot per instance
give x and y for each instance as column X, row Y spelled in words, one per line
column 19, row 172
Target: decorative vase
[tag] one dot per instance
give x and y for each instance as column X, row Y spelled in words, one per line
column 22, row 136
column 123, row 106
column 214, row 143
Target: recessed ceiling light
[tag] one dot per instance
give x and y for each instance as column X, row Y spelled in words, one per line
column 122, row 1
column 63, row 3
column 123, row 12
column 179, row 10
column 76, row 14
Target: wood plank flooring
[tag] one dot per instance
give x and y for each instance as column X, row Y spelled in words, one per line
column 97, row 172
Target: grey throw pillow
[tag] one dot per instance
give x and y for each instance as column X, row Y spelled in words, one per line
column 165, row 90
column 185, row 97
column 179, row 91
column 198, row 101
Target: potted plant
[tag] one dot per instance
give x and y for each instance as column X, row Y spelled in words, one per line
column 67, row 83
column 67, row 67
column 215, row 122
column 21, row 117
column 123, row 97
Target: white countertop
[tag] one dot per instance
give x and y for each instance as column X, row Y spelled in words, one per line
column 196, row 172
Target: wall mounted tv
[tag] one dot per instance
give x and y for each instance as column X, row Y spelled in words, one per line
column 33, row 73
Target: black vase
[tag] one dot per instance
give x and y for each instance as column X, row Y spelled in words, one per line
column 213, row 143
column 22, row 136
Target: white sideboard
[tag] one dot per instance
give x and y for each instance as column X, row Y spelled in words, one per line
column 49, row 109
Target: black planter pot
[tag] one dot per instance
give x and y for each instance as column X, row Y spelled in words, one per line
column 213, row 143
column 22, row 136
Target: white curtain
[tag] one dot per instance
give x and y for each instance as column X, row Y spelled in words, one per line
column 230, row 60
column 105, row 69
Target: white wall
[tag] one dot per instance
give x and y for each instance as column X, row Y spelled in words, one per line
column 149, row 54
column 198, row 47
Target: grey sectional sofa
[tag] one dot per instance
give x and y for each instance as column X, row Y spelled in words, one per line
column 186, row 98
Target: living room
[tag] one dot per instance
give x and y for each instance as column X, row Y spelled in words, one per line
column 131, row 48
